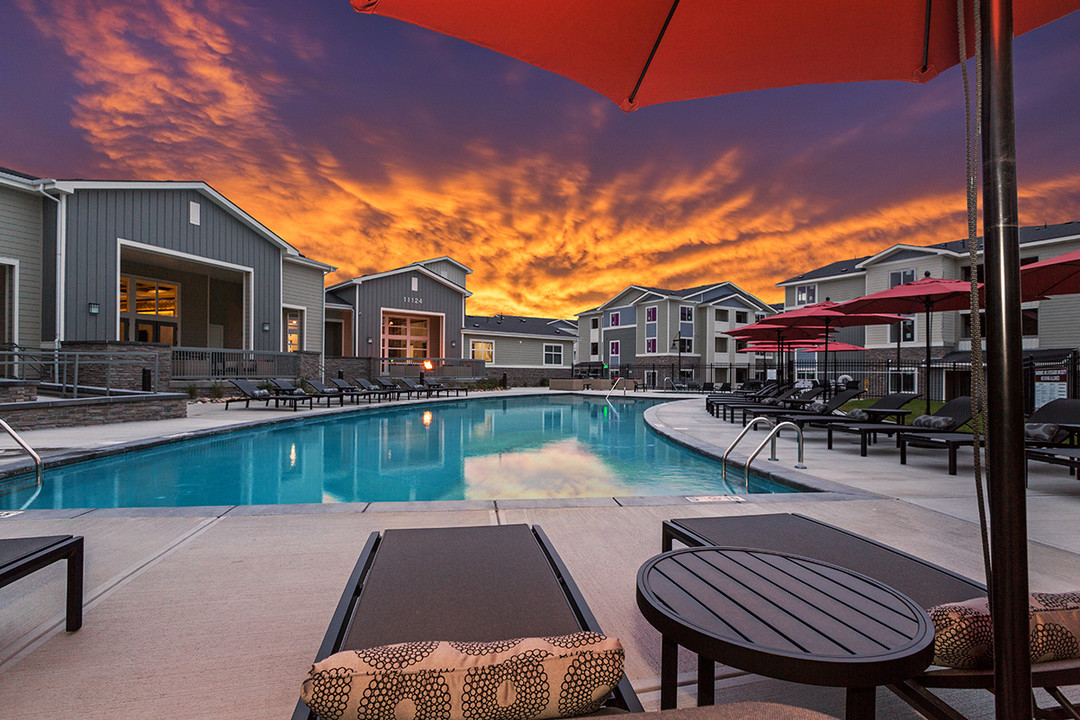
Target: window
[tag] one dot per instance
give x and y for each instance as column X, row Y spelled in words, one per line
column 552, row 354
column 721, row 316
column 907, row 330
column 594, row 349
column 650, row 345
column 613, row 348
column 740, row 317
column 721, row 345
column 482, row 350
column 686, row 345
column 806, row 294
column 149, row 308
column 293, row 322
column 899, row 277
column 686, row 313
column 650, row 314
column 614, row 321
column 595, row 324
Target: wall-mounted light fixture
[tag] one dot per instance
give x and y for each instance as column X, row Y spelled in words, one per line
column 94, row 308
column 266, row 327
column 369, row 340
column 453, row 343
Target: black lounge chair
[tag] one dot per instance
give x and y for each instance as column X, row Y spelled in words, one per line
column 286, row 387
column 250, row 392
column 379, row 392
column 444, row 388
column 22, row 556
column 1067, row 456
column 715, row 403
column 791, row 402
column 891, row 404
column 1063, row 412
column 413, row 386
column 925, row 583
column 340, row 393
column 468, row 584
column 957, row 411
column 830, row 406
column 390, row 385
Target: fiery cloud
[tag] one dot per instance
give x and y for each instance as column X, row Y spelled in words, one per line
column 217, row 91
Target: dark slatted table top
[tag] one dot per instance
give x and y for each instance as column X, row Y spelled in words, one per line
column 785, row 616
column 13, row 549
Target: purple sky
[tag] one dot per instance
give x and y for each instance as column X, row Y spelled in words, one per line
column 368, row 143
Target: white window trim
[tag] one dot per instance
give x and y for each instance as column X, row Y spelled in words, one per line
column 303, row 326
column 472, row 346
column 805, row 300
column 554, row 347
column 686, row 307
column 13, row 263
column 615, row 319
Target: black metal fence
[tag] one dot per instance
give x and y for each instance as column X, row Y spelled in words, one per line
column 1044, row 379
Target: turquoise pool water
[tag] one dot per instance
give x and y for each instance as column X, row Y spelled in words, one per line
column 548, row 446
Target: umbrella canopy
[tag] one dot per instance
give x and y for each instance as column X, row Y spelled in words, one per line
column 778, row 333
column 926, row 295
column 641, row 52
column 1055, row 276
column 833, row 347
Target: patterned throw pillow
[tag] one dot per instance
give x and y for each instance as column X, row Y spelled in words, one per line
column 769, row 401
column 261, row 394
column 518, row 679
column 858, row 414
column 1045, row 432
column 933, row 422
column 964, row 632
column 817, row 407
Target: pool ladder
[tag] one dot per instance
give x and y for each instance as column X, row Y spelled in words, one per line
column 607, row 398
column 771, row 437
column 23, row 444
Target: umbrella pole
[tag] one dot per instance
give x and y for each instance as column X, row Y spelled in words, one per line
column 1005, row 446
column 926, row 382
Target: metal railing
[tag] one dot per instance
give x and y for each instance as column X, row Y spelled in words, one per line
column 214, row 363
column 38, row 468
column 75, row 372
column 774, row 431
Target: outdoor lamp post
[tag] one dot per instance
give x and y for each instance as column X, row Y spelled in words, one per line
column 676, row 344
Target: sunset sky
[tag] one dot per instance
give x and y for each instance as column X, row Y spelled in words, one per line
column 368, row 144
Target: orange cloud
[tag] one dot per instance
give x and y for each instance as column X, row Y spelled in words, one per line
column 169, row 92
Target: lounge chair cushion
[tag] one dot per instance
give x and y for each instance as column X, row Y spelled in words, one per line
column 964, row 631
column 1045, row 432
column 858, row 414
column 260, row 394
column 526, row 678
column 817, row 407
column 933, row 422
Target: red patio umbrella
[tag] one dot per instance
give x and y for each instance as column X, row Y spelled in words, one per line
column 926, row 295
column 835, row 347
column 828, row 315
column 1054, row 276
column 639, row 52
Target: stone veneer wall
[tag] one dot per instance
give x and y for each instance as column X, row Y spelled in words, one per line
column 350, row 367
column 127, row 376
column 45, row 414
column 517, row 377
column 17, row 391
column 310, row 364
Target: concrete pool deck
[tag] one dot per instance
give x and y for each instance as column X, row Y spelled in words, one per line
column 209, row 612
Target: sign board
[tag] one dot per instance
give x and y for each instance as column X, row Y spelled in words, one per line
column 770, row 374
column 1050, row 384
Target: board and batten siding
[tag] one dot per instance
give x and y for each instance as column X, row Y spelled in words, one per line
column 20, row 240
column 395, row 292
column 302, row 285
column 97, row 219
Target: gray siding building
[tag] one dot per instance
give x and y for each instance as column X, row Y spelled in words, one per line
column 527, row 349
column 163, row 262
column 401, row 316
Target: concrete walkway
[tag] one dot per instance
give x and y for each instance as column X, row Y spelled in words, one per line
column 212, row 612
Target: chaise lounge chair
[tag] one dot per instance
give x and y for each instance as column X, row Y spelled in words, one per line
column 464, row 584
column 791, row 415
column 925, row 583
column 891, row 404
column 22, row 556
column 785, row 402
column 379, row 392
column 1063, row 412
column 338, row 392
column 286, row 387
column 953, row 414
column 251, row 392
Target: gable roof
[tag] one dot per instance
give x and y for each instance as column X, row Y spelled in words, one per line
column 419, row 267
column 517, row 325
column 854, row 266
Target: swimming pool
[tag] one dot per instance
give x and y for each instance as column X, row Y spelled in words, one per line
column 546, row 446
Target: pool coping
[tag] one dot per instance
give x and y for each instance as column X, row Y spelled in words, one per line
column 813, row 489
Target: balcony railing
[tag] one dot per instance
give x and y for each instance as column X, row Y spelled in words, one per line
column 214, row 364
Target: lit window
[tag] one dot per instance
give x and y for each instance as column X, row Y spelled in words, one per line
column 482, row 350
column 806, row 295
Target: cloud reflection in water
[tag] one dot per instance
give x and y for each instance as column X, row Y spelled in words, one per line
column 561, row 469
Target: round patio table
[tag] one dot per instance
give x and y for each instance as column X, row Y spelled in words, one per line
column 781, row 616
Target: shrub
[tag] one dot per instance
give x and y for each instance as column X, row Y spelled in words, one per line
column 193, row 391
column 217, row 390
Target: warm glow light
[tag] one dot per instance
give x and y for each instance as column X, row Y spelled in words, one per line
column 428, row 365
column 427, row 418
